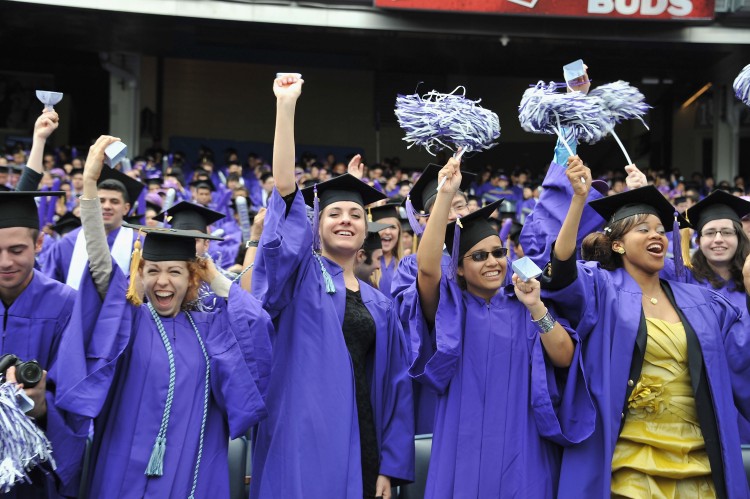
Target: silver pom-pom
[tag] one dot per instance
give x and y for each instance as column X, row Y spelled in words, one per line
column 23, row 446
column 438, row 121
column 742, row 85
column 544, row 110
column 623, row 100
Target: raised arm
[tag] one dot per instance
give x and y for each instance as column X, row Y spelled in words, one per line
column 430, row 252
column 565, row 247
column 287, row 90
column 100, row 261
column 256, row 231
column 45, row 124
column 557, row 342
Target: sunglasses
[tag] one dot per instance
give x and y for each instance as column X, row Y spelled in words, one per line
column 481, row 256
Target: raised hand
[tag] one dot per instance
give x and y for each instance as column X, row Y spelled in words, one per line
column 527, row 292
column 579, row 176
column 45, row 125
column 356, row 167
column 451, row 172
column 257, row 228
column 635, row 178
column 288, row 87
column 95, row 159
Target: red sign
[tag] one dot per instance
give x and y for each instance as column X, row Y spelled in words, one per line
column 634, row 9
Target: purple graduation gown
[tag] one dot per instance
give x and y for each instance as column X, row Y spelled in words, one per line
column 32, row 328
column 738, row 298
column 543, row 224
column 121, row 378
column 309, row 444
column 386, row 276
column 57, row 262
column 604, row 307
column 501, row 408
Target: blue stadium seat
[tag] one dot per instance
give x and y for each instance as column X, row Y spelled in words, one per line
column 423, row 447
column 238, row 452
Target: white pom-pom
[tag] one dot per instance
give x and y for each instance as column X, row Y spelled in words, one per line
column 742, row 85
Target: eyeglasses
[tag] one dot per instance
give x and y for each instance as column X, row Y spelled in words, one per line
column 725, row 233
column 459, row 207
column 481, row 256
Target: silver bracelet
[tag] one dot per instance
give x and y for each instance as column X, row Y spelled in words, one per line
column 546, row 323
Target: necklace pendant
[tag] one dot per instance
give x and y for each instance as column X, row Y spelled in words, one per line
column 654, row 301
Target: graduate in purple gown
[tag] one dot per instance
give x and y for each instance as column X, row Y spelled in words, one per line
column 666, row 361
column 167, row 386
column 35, row 310
column 339, row 400
column 507, row 373
column 422, row 197
column 117, row 193
column 390, row 238
column 722, row 259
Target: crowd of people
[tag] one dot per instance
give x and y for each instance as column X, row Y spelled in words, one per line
column 332, row 310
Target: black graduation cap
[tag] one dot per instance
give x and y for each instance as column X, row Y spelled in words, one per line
column 644, row 200
column 163, row 245
column 426, row 187
column 372, row 241
column 388, row 210
column 132, row 186
column 189, row 216
column 716, row 206
column 66, row 223
column 474, row 227
column 203, row 184
column 515, row 229
column 18, row 208
column 345, row 187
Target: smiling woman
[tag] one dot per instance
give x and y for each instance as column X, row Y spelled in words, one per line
column 169, row 385
column 339, row 353
column 670, row 358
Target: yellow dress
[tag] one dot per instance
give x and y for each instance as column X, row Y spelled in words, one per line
column 661, row 452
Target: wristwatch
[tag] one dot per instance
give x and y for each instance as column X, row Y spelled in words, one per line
column 251, row 243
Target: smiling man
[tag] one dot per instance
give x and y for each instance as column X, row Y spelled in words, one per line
column 35, row 311
column 68, row 257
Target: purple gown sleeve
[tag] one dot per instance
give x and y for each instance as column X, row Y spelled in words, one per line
column 96, row 336
column 436, row 351
column 543, row 225
column 563, row 408
column 285, row 244
column 67, row 433
column 395, row 407
column 735, row 329
column 240, row 351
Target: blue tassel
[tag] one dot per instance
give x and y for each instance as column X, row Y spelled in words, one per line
column 315, row 221
column 411, row 214
column 156, row 461
column 327, row 279
column 679, row 264
column 455, row 248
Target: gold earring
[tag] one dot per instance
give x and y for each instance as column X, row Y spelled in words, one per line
column 620, row 250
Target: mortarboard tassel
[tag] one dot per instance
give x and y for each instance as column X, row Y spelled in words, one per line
column 685, row 240
column 316, row 221
column 411, row 215
column 456, row 248
column 679, row 264
column 330, row 286
column 132, row 294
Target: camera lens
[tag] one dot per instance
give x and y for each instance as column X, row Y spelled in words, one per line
column 29, row 373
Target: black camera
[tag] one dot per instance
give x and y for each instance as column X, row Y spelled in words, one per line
column 29, row 373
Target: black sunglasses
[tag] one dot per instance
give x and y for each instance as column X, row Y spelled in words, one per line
column 481, row 256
